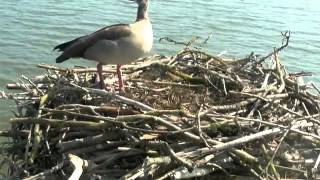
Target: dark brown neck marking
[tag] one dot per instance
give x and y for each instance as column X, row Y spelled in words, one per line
column 143, row 10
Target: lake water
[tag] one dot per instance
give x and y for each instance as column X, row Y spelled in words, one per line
column 30, row 29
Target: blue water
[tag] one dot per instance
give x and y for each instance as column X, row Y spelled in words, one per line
column 30, row 29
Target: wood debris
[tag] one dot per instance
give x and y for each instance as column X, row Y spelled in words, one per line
column 191, row 115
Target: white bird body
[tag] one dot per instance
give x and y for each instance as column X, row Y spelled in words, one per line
column 126, row 49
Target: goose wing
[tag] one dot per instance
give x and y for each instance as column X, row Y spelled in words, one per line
column 77, row 47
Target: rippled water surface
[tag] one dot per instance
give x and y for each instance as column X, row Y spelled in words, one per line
column 30, row 29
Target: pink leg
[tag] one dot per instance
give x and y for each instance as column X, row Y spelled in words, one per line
column 99, row 69
column 119, row 72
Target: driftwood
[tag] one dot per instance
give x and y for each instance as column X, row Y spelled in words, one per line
column 187, row 116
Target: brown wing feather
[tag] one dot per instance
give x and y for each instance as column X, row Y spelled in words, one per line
column 77, row 47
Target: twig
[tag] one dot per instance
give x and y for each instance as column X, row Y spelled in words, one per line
column 199, row 127
column 78, row 70
column 274, row 171
column 279, row 71
column 169, row 83
column 33, row 85
column 188, row 44
column 286, row 37
column 119, row 98
column 315, row 167
column 182, row 161
column 237, row 142
column 47, row 173
column 271, row 124
column 78, row 164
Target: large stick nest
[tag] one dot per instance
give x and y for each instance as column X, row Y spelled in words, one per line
column 185, row 116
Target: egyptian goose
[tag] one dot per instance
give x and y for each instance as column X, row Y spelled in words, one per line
column 116, row 44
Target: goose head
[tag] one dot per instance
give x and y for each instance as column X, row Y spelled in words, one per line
column 140, row 1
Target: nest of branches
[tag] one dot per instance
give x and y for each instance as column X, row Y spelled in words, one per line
column 191, row 115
